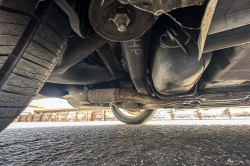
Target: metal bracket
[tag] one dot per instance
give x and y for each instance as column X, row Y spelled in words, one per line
column 73, row 17
column 109, row 59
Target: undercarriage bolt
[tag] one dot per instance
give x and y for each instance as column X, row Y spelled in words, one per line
column 122, row 28
column 121, row 18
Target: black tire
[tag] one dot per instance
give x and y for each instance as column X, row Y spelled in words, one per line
column 143, row 118
column 30, row 44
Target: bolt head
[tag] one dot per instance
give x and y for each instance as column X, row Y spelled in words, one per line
column 121, row 18
column 118, row 18
column 122, row 28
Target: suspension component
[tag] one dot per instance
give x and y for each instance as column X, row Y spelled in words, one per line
column 117, row 22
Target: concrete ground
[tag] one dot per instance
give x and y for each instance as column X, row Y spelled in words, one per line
column 115, row 144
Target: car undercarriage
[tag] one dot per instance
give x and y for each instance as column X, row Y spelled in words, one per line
column 141, row 55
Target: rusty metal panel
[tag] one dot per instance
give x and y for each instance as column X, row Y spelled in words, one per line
column 28, row 118
column 71, row 116
column 53, row 117
column 89, row 116
column 161, row 114
column 82, row 116
column 109, row 116
column 241, row 115
column 62, row 116
column 46, row 117
column 22, row 118
column 36, row 118
column 97, row 115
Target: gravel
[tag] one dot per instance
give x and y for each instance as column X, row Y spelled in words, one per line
column 120, row 145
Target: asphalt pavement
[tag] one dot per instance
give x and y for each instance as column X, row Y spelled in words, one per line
column 123, row 145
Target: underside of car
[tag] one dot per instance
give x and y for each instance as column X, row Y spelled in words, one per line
column 134, row 56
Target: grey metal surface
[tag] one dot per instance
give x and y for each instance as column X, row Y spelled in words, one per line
column 229, row 67
column 206, row 22
column 82, row 74
column 81, row 8
column 159, row 7
column 69, row 70
column 102, row 12
column 120, row 145
column 230, row 14
column 230, row 21
column 73, row 17
column 136, row 54
column 110, row 60
column 173, row 70
column 226, row 39
column 77, row 51
column 230, row 25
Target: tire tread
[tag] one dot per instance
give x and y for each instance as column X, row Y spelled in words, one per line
column 38, row 59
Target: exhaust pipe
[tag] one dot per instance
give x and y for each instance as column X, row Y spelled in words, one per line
column 129, row 105
column 78, row 104
column 111, row 96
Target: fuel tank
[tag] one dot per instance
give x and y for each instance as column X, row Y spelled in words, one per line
column 175, row 66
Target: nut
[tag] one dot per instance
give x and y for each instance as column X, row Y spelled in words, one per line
column 122, row 28
column 121, row 21
column 121, row 18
